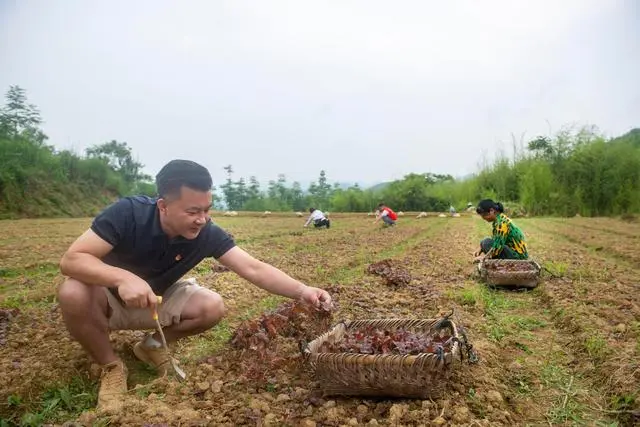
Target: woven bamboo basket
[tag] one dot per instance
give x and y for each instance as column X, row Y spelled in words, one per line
column 412, row 376
column 513, row 273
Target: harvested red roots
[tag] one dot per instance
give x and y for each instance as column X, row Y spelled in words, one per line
column 510, row 267
column 291, row 319
column 390, row 274
column 398, row 342
column 5, row 318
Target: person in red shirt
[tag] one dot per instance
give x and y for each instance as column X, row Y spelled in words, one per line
column 388, row 216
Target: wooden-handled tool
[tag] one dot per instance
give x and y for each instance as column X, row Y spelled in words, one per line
column 179, row 372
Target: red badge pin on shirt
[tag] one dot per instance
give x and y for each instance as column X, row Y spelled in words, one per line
column 178, row 257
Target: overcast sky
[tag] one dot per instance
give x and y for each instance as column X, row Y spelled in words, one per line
column 367, row 90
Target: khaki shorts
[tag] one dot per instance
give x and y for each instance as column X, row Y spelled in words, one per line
column 169, row 312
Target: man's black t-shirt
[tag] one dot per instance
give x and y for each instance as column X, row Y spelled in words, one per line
column 132, row 226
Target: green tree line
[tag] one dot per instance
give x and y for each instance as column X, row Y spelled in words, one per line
column 247, row 195
column 412, row 193
column 36, row 180
column 572, row 172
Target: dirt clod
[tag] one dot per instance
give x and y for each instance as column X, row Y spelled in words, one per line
column 270, row 419
column 219, row 268
column 620, row 328
column 461, row 414
column 260, row 405
column 5, row 318
column 494, row 397
column 283, row 398
column 330, row 404
column 334, row 415
column 216, row 387
column 439, row 421
column 397, row 412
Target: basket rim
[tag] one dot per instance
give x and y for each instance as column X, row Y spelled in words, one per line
column 357, row 358
column 509, row 261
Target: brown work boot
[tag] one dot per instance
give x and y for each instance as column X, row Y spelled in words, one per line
column 157, row 357
column 113, row 386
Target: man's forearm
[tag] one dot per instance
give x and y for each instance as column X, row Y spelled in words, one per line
column 91, row 270
column 275, row 281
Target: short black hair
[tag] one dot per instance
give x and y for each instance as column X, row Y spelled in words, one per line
column 487, row 204
column 182, row 173
column 381, row 204
column 311, row 210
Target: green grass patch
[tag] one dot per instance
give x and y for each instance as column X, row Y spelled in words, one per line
column 492, row 302
column 524, row 323
column 497, row 307
column 557, row 268
column 496, row 332
column 465, row 296
column 210, row 342
column 46, row 268
column 521, row 382
column 565, row 407
column 203, row 268
column 525, row 348
column 24, row 299
column 596, row 346
column 57, row 404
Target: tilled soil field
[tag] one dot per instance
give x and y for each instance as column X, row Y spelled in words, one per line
column 565, row 353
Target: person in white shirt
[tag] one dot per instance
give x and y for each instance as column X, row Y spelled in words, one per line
column 318, row 218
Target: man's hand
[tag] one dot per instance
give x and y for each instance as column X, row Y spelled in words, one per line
column 477, row 253
column 478, row 258
column 137, row 293
column 319, row 298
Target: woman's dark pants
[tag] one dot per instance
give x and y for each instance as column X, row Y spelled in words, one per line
column 507, row 252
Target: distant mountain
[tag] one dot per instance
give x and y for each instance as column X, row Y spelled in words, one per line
column 633, row 136
column 380, row 186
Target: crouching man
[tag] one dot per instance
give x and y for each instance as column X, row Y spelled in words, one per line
column 138, row 249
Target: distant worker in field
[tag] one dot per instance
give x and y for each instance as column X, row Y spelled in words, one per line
column 507, row 241
column 319, row 219
column 140, row 248
column 386, row 214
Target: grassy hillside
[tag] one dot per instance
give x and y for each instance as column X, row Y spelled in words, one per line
column 44, row 198
column 36, row 180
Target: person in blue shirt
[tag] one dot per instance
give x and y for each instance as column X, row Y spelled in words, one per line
column 138, row 249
